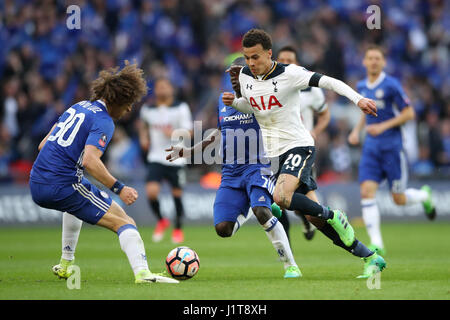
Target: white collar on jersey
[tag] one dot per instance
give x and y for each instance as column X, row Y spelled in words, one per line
column 377, row 81
column 102, row 102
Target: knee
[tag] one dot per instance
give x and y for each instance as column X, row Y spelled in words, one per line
column 399, row 199
column 282, row 199
column 263, row 214
column 224, row 229
column 367, row 193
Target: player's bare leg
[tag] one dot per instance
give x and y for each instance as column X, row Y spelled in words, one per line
column 116, row 220
column 153, row 189
column 412, row 196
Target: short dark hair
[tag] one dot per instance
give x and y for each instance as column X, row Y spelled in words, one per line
column 375, row 47
column 257, row 36
column 289, row 49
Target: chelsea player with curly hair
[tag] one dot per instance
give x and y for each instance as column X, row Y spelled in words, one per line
column 76, row 143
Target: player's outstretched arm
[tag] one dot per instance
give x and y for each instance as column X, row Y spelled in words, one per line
column 95, row 167
column 41, row 145
column 323, row 120
column 367, row 106
column 240, row 104
column 180, row 151
column 144, row 138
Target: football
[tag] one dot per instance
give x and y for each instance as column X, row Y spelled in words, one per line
column 182, row 263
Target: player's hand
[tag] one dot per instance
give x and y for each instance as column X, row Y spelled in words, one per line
column 176, row 152
column 228, row 98
column 128, row 195
column 234, row 76
column 375, row 129
column 353, row 138
column 368, row 106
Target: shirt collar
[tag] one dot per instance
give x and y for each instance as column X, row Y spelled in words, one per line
column 376, row 82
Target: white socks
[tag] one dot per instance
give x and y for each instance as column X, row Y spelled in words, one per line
column 241, row 219
column 71, row 227
column 414, row 196
column 276, row 234
column 133, row 246
column 371, row 217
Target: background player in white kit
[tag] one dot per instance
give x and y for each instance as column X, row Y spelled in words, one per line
column 158, row 123
column 270, row 91
column 312, row 102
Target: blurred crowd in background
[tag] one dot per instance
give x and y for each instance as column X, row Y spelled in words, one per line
column 45, row 67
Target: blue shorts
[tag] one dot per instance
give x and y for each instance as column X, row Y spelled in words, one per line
column 390, row 164
column 247, row 190
column 83, row 200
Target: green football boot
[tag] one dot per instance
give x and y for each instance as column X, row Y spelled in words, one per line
column 340, row 223
column 292, row 272
column 145, row 276
column 61, row 269
column 428, row 206
column 377, row 249
column 276, row 210
column 372, row 265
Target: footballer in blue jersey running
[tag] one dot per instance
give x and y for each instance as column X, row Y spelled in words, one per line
column 382, row 154
column 246, row 179
column 76, row 143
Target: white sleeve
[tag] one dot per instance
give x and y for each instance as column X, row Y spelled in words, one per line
column 242, row 105
column 299, row 76
column 185, row 117
column 143, row 114
column 339, row 87
column 318, row 102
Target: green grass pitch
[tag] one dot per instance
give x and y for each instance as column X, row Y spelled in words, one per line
column 242, row 267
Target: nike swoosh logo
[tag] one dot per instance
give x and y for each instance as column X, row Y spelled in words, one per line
column 186, row 254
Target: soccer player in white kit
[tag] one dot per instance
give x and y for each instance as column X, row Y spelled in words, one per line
column 312, row 102
column 270, row 91
column 159, row 122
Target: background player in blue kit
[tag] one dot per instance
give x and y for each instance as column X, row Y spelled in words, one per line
column 382, row 155
column 76, row 142
column 246, row 179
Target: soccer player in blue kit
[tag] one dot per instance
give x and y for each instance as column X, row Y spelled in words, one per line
column 382, row 155
column 246, row 180
column 76, row 143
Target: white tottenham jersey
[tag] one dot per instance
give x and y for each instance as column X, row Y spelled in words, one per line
column 275, row 100
column 177, row 116
column 312, row 100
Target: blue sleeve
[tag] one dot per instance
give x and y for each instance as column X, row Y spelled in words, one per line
column 101, row 133
column 399, row 96
column 220, row 105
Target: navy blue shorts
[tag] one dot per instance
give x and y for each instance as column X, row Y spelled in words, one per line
column 377, row 165
column 297, row 162
column 250, row 189
column 174, row 175
column 83, row 200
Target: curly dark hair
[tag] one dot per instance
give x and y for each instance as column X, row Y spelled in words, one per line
column 257, row 36
column 120, row 88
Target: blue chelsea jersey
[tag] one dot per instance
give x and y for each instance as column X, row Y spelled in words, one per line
column 60, row 160
column 390, row 99
column 241, row 140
